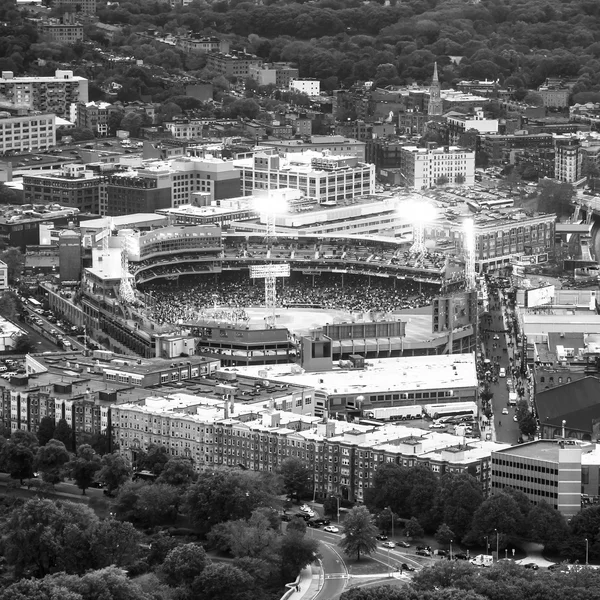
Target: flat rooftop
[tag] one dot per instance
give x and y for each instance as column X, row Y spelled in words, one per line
column 545, row 450
column 383, row 375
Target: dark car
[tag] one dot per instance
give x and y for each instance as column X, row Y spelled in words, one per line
column 382, row 538
column 532, row 566
column 403, row 544
column 442, row 553
column 460, row 556
column 422, row 553
column 428, row 548
column 323, row 521
column 286, row 518
column 408, row 568
column 313, row 524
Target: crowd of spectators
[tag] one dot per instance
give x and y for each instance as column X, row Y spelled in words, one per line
column 193, row 299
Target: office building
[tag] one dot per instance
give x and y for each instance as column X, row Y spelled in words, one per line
column 46, row 94
column 72, row 187
column 324, row 179
column 425, row 168
column 334, row 144
column 70, row 255
column 568, row 158
column 544, row 470
column 27, row 133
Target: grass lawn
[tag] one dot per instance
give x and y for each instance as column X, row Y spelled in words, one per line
column 366, row 566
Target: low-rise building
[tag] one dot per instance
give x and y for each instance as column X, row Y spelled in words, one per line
column 277, row 74
column 234, row 64
column 27, row 133
column 310, row 87
column 338, row 145
column 95, row 116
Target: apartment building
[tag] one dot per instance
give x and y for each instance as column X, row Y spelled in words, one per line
column 46, row 94
column 424, row 168
column 27, row 133
column 95, row 116
column 325, row 179
column 73, row 187
column 87, row 7
column 235, row 64
column 310, row 87
column 277, row 74
column 568, row 158
column 196, row 43
column 338, row 145
column 458, row 124
column 64, row 31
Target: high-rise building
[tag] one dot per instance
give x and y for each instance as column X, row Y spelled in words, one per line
column 46, row 94
column 435, row 101
column 567, row 158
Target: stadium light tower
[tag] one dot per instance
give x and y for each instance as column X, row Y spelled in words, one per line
column 469, row 245
column 271, row 204
column 420, row 213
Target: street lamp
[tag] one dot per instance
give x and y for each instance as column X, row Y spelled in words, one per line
column 487, row 545
column 497, row 555
column 586, row 551
column 392, row 513
column 451, row 549
column 338, row 508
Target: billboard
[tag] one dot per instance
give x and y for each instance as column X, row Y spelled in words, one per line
column 270, row 270
column 539, row 296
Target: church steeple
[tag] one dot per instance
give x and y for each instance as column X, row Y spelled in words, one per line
column 435, row 100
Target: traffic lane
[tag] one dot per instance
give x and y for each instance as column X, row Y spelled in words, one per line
column 397, row 557
column 335, row 572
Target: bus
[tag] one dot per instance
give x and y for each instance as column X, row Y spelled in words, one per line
column 497, row 203
column 34, row 303
column 450, row 409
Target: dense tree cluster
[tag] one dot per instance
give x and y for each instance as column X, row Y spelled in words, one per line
column 509, row 581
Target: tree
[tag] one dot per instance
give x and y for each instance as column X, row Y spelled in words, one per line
column 547, row 526
column 8, row 305
column 183, row 564
column 330, row 506
column 498, row 512
column 148, row 504
column 63, row 433
column 18, row 455
column 45, row 430
column 50, row 461
column 444, row 535
column 359, row 532
column 15, row 261
column 296, row 552
column 298, row 525
column 385, row 520
column 84, row 466
column 132, row 122
column 114, row 472
column 413, row 528
column 24, row 345
column 555, row 197
column 459, row 497
column 297, row 477
column 178, row 472
column 525, row 418
column 155, row 459
column 114, row 542
column 221, row 581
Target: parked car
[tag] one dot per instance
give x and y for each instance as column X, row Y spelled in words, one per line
column 442, row 553
column 331, row 529
column 305, row 508
column 532, row 566
column 382, row 538
column 388, row 545
column 403, row 544
column 460, row 556
column 505, row 411
column 422, row 553
column 286, row 518
column 408, row 568
column 313, row 524
column 323, row 521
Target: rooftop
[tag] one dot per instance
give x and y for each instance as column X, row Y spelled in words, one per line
column 415, row 372
column 545, row 450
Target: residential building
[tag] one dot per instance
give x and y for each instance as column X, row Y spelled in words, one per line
column 310, row 87
column 187, row 129
column 87, row 7
column 568, row 158
column 334, row 144
column 277, row 74
column 425, row 168
column 3, row 276
column 545, row 471
column 9, row 331
column 500, row 148
column 554, row 96
column 197, row 43
column 72, row 187
column 96, row 117
column 458, row 124
column 234, row 64
column 63, row 31
column 27, row 133
column 46, row 94
column 322, row 178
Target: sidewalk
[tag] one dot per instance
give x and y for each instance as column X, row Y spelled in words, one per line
column 309, row 583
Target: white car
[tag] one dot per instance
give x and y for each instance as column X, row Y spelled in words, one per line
column 310, row 513
column 305, row 508
column 502, row 372
column 331, row 529
column 515, row 418
column 496, row 337
column 505, row 411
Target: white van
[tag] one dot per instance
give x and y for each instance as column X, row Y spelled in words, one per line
column 482, row 560
column 502, row 372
